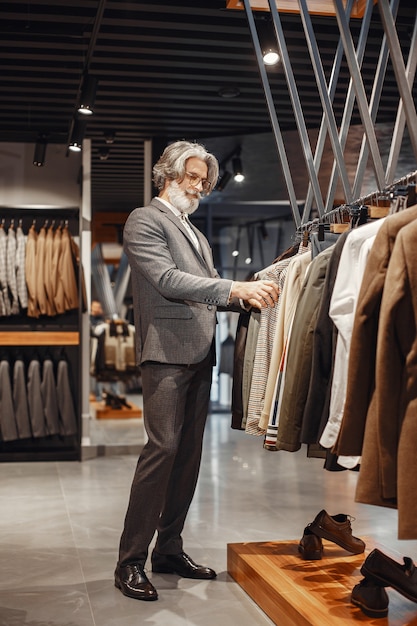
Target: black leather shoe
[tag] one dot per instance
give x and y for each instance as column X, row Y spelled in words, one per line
column 337, row 528
column 384, row 571
column 370, row 598
column 180, row 564
column 133, row 582
column 310, row 546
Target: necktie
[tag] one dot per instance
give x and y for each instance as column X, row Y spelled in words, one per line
column 186, row 223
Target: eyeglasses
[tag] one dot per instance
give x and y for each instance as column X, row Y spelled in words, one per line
column 196, row 180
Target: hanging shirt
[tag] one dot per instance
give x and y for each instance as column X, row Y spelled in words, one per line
column 11, row 270
column 3, row 272
column 22, row 291
column 342, row 311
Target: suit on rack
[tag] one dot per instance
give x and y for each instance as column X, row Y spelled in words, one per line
column 176, row 291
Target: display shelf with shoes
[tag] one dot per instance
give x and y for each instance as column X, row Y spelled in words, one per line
column 114, row 406
column 298, row 592
column 105, row 412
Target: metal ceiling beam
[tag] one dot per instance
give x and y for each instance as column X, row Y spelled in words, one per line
column 296, row 104
column 273, row 116
column 399, row 126
column 321, row 140
column 326, row 101
column 360, row 93
column 399, row 70
column 374, row 103
column 350, row 101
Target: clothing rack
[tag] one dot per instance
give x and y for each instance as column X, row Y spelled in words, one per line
column 408, row 180
column 355, row 213
column 26, row 335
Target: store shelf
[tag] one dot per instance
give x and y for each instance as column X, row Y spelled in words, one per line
column 39, row 338
column 104, row 412
column 296, row 592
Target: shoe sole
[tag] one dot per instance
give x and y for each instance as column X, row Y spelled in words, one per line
column 321, row 532
column 368, row 611
column 379, row 580
column 132, row 595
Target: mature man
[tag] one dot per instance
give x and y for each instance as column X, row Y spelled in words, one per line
column 176, row 292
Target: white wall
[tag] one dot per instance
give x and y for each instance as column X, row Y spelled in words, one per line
column 56, row 184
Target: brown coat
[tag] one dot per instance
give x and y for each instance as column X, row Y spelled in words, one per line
column 30, row 272
column 41, row 296
column 389, row 459
column 361, row 372
column 48, row 276
column 66, row 273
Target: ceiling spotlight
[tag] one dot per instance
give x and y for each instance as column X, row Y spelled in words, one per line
column 263, row 230
column 229, row 91
column 224, row 179
column 40, row 150
column 238, row 170
column 270, row 57
column 104, row 154
column 77, row 136
column 88, row 95
column 109, row 136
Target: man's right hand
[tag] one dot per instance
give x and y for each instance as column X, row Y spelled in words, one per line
column 257, row 293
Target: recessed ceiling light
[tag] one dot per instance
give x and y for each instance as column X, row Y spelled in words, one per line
column 230, row 91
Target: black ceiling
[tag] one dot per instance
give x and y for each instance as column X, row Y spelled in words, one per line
column 161, row 67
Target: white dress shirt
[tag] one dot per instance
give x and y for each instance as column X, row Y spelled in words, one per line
column 342, row 311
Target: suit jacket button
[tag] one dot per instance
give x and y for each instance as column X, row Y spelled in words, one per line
column 209, row 307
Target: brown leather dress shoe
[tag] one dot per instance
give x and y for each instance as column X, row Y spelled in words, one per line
column 384, row 571
column 310, row 546
column 180, row 564
column 370, row 598
column 337, row 528
column 133, row 582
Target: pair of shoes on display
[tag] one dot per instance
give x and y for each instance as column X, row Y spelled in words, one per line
column 133, row 582
column 335, row 528
column 380, row 571
column 114, row 401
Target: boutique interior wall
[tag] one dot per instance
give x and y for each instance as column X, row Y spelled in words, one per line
column 65, row 183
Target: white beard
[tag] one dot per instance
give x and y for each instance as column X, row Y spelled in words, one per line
column 186, row 202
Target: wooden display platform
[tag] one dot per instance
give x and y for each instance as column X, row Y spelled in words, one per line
column 104, row 412
column 296, row 592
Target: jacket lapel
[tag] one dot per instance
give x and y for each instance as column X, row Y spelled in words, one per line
column 204, row 254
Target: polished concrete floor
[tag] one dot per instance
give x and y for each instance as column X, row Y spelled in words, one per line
column 60, row 524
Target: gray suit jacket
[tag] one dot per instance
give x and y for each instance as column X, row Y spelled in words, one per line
column 176, row 289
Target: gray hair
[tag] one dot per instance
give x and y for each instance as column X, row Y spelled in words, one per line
column 171, row 164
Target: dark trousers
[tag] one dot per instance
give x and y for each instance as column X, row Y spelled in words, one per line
column 175, row 403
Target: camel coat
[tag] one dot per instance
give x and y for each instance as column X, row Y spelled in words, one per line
column 389, row 459
column 361, row 369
